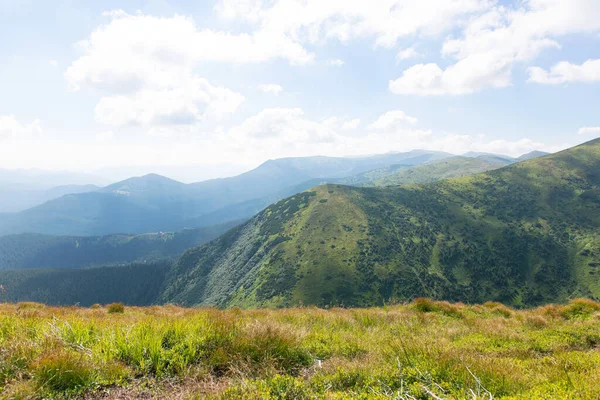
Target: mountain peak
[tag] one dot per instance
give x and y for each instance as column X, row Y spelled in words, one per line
column 532, row 154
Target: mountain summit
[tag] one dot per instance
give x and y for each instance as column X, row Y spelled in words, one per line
column 523, row 234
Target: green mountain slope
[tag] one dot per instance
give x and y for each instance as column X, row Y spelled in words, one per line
column 444, row 169
column 524, row 234
column 45, row 251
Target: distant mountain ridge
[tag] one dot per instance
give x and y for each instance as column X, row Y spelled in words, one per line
column 154, row 203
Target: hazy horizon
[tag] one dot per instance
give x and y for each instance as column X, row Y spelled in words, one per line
column 184, row 173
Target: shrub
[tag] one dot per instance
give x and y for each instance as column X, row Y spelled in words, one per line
column 63, row 371
column 267, row 347
column 118, row 308
column 28, row 305
column 498, row 308
column 426, row 305
column 536, row 321
column 95, row 306
column 579, row 309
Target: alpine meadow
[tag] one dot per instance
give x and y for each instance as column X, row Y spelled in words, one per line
column 300, row 200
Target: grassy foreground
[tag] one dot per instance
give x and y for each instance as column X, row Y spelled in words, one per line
column 422, row 350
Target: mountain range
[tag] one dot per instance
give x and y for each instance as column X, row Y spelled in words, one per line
column 153, row 203
column 523, row 234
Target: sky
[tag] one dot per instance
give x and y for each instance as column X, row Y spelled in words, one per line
column 206, row 89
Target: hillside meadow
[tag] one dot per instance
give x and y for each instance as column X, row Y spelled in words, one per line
column 421, row 350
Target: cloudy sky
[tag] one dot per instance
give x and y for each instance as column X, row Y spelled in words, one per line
column 160, row 84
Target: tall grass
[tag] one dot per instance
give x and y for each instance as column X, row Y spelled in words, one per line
column 423, row 350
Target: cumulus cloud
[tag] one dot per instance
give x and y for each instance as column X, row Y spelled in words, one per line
column 144, row 68
column 392, row 120
column 105, row 136
column 589, row 130
column 564, row 72
column 191, row 100
column 289, row 132
column 383, row 21
column 336, row 62
column 405, row 54
column 277, row 132
column 12, row 128
column 270, row 88
column 494, row 41
column 351, row 125
column 286, row 124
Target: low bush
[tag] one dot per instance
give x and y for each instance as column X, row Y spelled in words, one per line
column 116, row 308
column 580, row 308
column 63, row 371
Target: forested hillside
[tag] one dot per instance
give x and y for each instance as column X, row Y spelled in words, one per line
column 138, row 284
column 524, row 235
column 45, row 251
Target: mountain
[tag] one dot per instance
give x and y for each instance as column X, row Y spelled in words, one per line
column 531, row 155
column 498, row 160
column 42, row 179
column 21, row 189
column 30, row 250
column 504, row 159
column 435, row 171
column 154, row 203
column 525, row 234
column 477, row 154
column 19, row 197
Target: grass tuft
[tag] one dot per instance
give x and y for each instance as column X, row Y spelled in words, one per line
column 580, row 308
column 116, row 308
column 63, row 371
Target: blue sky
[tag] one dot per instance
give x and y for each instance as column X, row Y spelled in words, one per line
column 222, row 86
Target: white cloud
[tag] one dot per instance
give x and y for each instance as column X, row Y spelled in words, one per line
column 192, row 99
column 289, row 132
column 383, row 21
column 494, row 41
column 589, row 130
column 336, row 62
column 271, row 133
column 176, row 40
column 351, row 125
column 11, row 128
column 407, row 53
column 270, row 88
column 564, row 72
column 392, row 120
column 105, row 136
column 286, row 124
column 144, row 68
